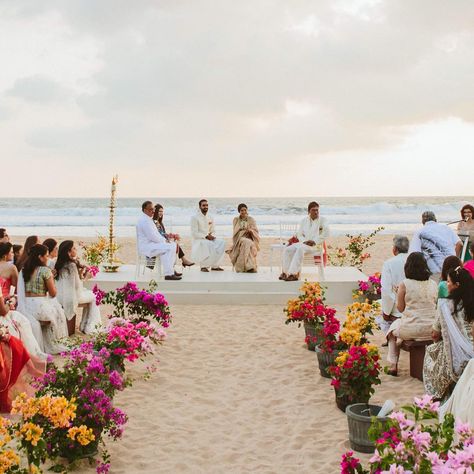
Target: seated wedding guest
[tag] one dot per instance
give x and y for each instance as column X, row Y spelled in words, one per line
column 71, row 291
column 52, row 246
column 450, row 263
column 29, row 242
column 17, row 249
column 19, row 326
column 312, row 232
column 151, row 243
column 4, row 237
column 393, row 273
column 8, row 271
column 207, row 250
column 17, row 368
column 446, row 358
column 461, row 402
column 436, row 242
column 466, row 226
column 36, row 300
column 158, row 220
column 416, row 300
column 469, row 265
column 245, row 242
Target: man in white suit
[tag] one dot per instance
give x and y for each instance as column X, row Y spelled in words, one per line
column 151, row 243
column 393, row 273
column 312, row 232
column 207, row 250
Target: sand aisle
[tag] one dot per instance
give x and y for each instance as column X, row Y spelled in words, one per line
column 236, row 392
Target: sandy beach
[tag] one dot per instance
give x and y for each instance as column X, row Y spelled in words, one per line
column 237, row 391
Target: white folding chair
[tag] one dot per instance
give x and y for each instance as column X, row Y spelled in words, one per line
column 287, row 230
column 144, row 262
column 316, row 258
column 465, row 245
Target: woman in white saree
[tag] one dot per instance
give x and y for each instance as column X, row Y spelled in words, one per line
column 36, row 300
column 71, row 291
column 446, row 359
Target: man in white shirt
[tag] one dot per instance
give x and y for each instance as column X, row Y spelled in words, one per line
column 393, row 273
column 436, row 242
column 151, row 243
column 207, row 250
column 311, row 234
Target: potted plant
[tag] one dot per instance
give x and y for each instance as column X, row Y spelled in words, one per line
column 329, row 345
column 354, row 375
column 413, row 440
column 309, row 310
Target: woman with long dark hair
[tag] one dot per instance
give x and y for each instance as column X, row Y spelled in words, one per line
column 36, row 300
column 158, row 220
column 71, row 291
column 416, row 300
column 452, row 332
column 29, row 242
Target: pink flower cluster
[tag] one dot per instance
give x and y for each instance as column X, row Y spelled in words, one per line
column 134, row 304
column 93, row 270
column 419, row 445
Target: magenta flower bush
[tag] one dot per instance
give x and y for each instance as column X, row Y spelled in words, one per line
column 136, row 305
column 94, row 371
column 415, row 442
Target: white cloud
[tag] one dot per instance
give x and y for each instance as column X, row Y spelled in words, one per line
column 199, row 88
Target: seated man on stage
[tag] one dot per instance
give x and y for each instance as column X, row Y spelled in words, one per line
column 206, row 249
column 151, row 243
column 312, row 232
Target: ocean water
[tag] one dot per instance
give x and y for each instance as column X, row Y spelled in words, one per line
column 90, row 217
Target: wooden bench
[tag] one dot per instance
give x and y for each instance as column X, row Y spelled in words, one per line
column 416, row 350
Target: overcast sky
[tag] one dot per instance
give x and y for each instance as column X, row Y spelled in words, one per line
column 237, row 98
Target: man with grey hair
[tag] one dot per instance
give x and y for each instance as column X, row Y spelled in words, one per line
column 393, row 273
column 436, row 242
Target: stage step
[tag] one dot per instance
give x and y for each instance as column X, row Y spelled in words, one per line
column 228, row 287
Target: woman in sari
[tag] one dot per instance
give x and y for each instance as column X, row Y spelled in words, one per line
column 245, row 238
column 15, row 365
column 452, row 332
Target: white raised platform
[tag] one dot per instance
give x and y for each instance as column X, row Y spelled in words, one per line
column 228, row 287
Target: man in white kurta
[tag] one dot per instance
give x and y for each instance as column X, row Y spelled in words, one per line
column 151, row 243
column 312, row 232
column 393, row 273
column 206, row 249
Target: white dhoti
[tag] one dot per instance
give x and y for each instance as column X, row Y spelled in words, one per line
column 208, row 253
column 167, row 252
column 293, row 257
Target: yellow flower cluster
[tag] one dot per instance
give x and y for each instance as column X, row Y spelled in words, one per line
column 292, row 306
column 341, row 358
column 8, row 459
column 31, row 432
column 4, row 434
column 372, row 348
column 312, row 290
column 360, row 319
column 58, row 410
column 82, row 434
